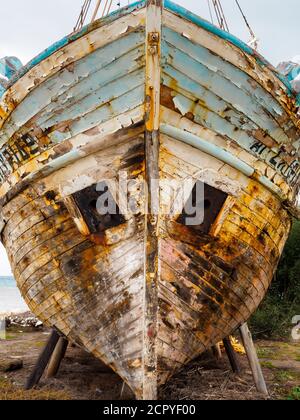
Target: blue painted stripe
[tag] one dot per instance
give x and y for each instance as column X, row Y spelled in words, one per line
column 103, row 86
column 206, row 147
column 182, row 84
column 230, row 128
column 91, row 85
column 220, row 154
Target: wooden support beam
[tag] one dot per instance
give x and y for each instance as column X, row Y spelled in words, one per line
column 217, row 351
column 253, row 360
column 43, row 361
column 232, row 356
column 57, row 357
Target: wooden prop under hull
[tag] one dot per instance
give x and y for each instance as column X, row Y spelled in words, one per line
column 131, row 100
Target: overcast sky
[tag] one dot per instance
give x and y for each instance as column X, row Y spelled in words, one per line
column 29, row 26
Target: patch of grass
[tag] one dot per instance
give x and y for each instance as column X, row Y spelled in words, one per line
column 284, row 376
column 39, row 344
column 9, row 336
column 284, row 345
column 268, row 365
column 265, row 353
column 294, row 395
column 8, row 391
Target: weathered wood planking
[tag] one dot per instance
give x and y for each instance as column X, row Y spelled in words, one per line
column 151, row 91
column 228, row 273
column 62, row 273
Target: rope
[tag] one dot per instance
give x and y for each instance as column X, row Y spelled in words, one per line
column 98, row 4
column 210, row 11
column 223, row 16
column 83, row 14
column 109, row 7
column 254, row 40
column 104, row 9
column 85, row 9
column 220, row 15
column 218, row 8
column 221, row 19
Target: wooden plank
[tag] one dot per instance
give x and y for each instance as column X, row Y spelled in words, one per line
column 209, row 134
column 253, row 360
column 92, row 41
column 217, row 351
column 43, row 361
column 232, row 356
column 231, row 54
column 254, row 106
column 57, row 357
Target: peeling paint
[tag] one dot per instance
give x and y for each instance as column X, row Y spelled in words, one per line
column 155, row 93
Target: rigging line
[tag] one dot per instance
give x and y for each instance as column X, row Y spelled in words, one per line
column 110, row 6
column 210, row 11
column 97, row 7
column 223, row 14
column 104, row 9
column 85, row 11
column 83, row 14
column 219, row 12
column 82, row 11
column 254, row 39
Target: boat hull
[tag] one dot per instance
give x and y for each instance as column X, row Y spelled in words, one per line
column 123, row 104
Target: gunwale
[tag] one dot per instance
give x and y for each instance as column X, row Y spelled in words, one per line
column 169, row 5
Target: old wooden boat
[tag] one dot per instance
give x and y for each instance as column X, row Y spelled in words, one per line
column 150, row 92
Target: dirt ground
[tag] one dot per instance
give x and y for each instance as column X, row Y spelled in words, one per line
column 83, row 377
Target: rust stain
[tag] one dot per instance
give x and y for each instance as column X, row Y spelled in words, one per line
column 90, row 280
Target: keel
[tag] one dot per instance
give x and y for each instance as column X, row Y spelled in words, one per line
column 152, row 272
